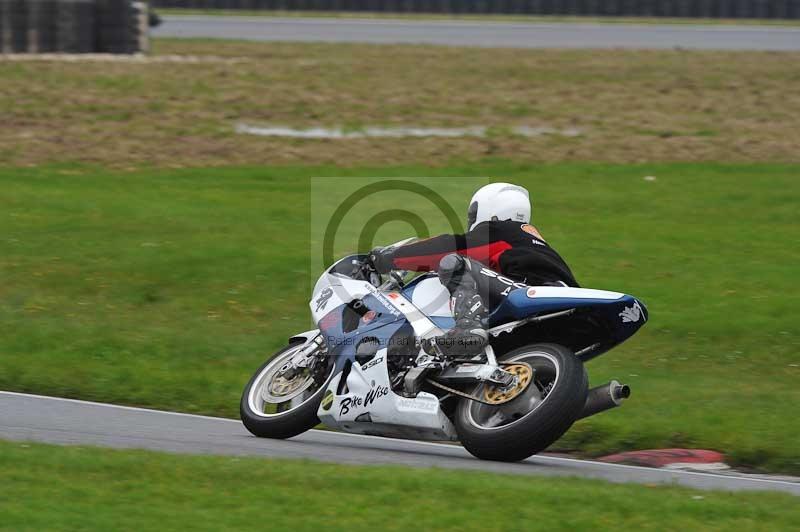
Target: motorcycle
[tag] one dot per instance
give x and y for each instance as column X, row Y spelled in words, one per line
column 363, row 370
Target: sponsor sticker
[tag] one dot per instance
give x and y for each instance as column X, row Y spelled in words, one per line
column 357, row 402
column 375, row 361
column 369, row 316
column 324, row 296
column 631, row 314
column 417, row 404
column 531, row 292
column 327, row 401
column 386, row 302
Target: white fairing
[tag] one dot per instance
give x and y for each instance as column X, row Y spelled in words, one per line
column 333, row 290
column 304, row 337
column 574, row 293
column 369, row 398
column 432, row 298
column 419, row 320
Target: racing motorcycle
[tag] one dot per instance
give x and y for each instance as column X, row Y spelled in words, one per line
column 363, row 370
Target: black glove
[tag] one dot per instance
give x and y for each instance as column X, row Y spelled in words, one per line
column 382, row 259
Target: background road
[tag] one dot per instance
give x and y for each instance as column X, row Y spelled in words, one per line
column 63, row 421
column 488, row 34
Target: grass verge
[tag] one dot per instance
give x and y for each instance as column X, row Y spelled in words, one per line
column 627, row 106
column 71, row 488
column 167, row 288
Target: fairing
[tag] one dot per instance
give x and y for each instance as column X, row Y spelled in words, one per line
column 354, row 313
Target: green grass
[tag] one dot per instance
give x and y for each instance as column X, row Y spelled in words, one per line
column 180, row 106
column 167, row 288
column 74, row 488
column 533, row 19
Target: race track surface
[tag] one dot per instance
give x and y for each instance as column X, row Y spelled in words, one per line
column 69, row 422
column 487, row 34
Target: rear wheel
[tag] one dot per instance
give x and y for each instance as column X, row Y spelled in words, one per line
column 281, row 402
column 541, row 412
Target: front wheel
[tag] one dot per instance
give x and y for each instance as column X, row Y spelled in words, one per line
column 280, row 402
column 554, row 396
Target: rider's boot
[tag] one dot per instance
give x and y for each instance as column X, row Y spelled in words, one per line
column 468, row 337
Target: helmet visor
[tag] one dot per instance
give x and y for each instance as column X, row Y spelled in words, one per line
column 472, row 214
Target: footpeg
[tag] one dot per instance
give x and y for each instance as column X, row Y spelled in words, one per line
column 412, row 382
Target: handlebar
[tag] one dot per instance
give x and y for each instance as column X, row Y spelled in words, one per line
column 360, row 268
column 395, row 281
column 366, row 271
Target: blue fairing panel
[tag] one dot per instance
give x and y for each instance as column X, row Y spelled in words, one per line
column 620, row 314
column 603, row 317
column 443, row 322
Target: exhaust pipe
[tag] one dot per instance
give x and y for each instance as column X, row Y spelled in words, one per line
column 605, row 397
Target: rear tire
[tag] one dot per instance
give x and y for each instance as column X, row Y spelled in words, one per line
column 287, row 424
column 539, row 428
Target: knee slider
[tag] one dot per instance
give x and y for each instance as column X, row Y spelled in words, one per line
column 452, row 268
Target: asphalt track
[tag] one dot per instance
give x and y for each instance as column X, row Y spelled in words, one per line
column 485, row 34
column 70, row 422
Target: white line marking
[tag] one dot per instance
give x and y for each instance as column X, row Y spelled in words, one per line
column 537, row 458
column 394, row 132
column 694, row 466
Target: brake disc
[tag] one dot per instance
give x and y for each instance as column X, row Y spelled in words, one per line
column 281, row 386
column 523, row 373
column 279, row 389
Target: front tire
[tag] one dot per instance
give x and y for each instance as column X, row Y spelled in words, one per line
column 297, row 416
column 535, row 419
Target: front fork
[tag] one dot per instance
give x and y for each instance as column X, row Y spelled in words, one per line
column 306, row 355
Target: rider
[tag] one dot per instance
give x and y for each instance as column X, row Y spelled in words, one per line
column 500, row 251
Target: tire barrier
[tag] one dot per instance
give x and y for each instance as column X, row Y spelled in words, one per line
column 116, row 27
column 75, row 32
column 762, row 9
column 73, row 26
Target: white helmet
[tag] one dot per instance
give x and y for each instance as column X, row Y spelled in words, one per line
column 499, row 201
